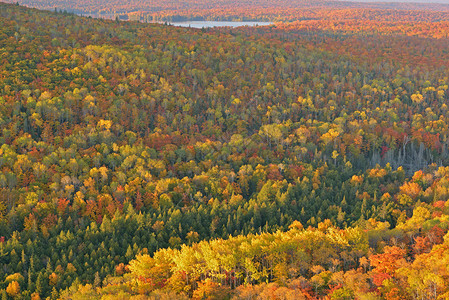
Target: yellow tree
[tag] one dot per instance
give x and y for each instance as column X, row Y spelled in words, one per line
column 13, row 288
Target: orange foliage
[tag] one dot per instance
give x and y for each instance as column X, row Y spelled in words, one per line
column 385, row 264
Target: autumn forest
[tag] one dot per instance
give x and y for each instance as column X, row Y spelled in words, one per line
column 307, row 159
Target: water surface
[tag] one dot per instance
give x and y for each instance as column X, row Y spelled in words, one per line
column 207, row 24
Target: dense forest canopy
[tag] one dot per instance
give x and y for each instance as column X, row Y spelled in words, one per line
column 299, row 160
column 259, row 10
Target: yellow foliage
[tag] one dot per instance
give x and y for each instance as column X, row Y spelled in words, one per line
column 411, row 188
column 14, row 277
column 296, row 225
column 13, row 288
column 417, row 98
column 104, row 124
column 356, row 179
column 377, row 173
column 420, row 215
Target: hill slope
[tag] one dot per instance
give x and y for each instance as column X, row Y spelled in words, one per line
column 228, row 9
column 124, row 138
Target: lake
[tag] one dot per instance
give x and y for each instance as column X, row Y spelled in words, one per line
column 207, row 24
column 193, row 24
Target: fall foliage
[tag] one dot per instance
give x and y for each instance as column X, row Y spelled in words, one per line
column 302, row 160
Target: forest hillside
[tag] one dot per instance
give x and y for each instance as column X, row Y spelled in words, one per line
column 240, row 10
column 305, row 159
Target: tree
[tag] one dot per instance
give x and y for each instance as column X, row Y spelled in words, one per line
column 13, row 288
column 208, row 289
column 387, row 263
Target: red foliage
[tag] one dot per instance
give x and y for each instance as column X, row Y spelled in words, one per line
column 385, row 264
column 62, row 205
